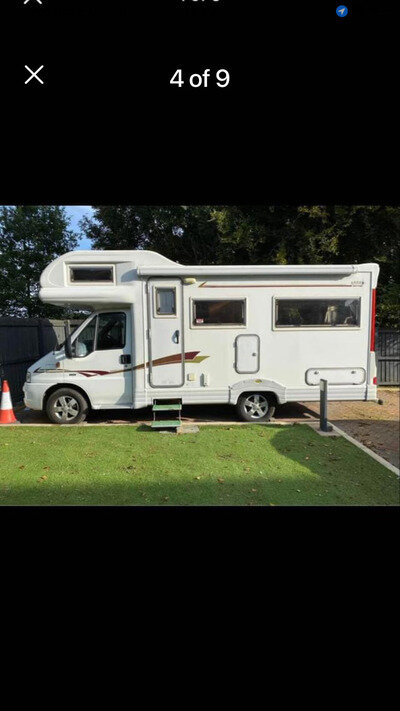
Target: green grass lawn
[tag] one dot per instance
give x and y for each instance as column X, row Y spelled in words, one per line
column 251, row 465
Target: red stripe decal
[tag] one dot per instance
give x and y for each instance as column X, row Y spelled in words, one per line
column 92, row 373
column 205, row 285
column 191, row 355
column 176, row 358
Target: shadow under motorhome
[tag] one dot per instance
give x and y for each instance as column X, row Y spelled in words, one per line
column 251, row 336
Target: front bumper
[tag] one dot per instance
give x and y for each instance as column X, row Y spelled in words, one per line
column 33, row 395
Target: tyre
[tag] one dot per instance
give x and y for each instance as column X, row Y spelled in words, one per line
column 66, row 406
column 255, row 407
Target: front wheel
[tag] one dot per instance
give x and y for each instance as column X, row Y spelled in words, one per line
column 66, row 407
column 255, row 407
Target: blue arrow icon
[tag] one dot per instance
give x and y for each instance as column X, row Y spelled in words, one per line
column 341, row 11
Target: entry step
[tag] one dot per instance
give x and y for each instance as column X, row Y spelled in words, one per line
column 172, row 406
column 159, row 424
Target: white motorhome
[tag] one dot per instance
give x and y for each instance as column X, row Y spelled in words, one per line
column 250, row 336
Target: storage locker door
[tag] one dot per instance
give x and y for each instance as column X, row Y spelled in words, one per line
column 247, row 353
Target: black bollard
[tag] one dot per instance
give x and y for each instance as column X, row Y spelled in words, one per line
column 323, row 406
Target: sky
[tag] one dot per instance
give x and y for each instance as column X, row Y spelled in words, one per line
column 76, row 212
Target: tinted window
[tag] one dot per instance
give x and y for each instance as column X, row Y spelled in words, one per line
column 91, row 274
column 84, row 344
column 110, row 331
column 221, row 311
column 165, row 300
column 328, row 313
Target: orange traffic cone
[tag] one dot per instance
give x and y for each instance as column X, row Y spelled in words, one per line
column 7, row 416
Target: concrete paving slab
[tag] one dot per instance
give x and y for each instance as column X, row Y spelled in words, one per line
column 375, row 426
column 187, row 429
column 315, row 427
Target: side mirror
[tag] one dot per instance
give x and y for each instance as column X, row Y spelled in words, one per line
column 69, row 347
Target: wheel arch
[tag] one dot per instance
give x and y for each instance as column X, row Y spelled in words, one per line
column 62, row 386
column 261, row 385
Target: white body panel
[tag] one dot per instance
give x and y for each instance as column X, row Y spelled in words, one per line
column 206, row 363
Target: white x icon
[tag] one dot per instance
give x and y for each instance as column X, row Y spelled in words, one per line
column 34, row 75
column 39, row 1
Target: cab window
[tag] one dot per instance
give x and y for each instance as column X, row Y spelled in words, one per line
column 84, row 343
column 110, row 331
column 104, row 332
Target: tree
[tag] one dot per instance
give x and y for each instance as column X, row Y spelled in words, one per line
column 30, row 238
column 181, row 233
column 256, row 234
column 338, row 234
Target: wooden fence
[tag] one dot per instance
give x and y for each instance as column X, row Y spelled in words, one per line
column 22, row 342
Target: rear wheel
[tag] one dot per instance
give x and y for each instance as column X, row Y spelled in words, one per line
column 255, row 407
column 66, row 407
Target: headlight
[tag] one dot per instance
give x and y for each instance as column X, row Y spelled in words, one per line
column 28, row 376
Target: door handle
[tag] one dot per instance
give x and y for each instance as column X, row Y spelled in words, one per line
column 176, row 336
column 125, row 358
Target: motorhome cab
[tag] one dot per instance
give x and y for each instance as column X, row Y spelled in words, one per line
column 251, row 336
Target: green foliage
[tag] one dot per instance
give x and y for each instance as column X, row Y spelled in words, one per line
column 31, row 236
column 184, row 234
column 387, row 307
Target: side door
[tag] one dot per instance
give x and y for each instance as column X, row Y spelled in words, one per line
column 102, row 361
column 166, row 336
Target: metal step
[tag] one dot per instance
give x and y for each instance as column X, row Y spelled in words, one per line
column 172, row 406
column 159, row 424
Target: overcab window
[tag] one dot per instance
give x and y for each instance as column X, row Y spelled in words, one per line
column 91, row 274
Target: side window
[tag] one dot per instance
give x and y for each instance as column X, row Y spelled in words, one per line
column 326, row 313
column 84, row 344
column 111, row 331
column 222, row 311
column 165, row 301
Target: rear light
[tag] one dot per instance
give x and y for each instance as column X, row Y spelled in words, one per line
column 373, row 316
column 374, row 380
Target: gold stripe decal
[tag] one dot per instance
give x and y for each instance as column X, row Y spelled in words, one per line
column 190, row 357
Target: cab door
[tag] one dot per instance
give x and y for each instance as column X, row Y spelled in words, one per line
column 102, row 362
column 166, row 340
